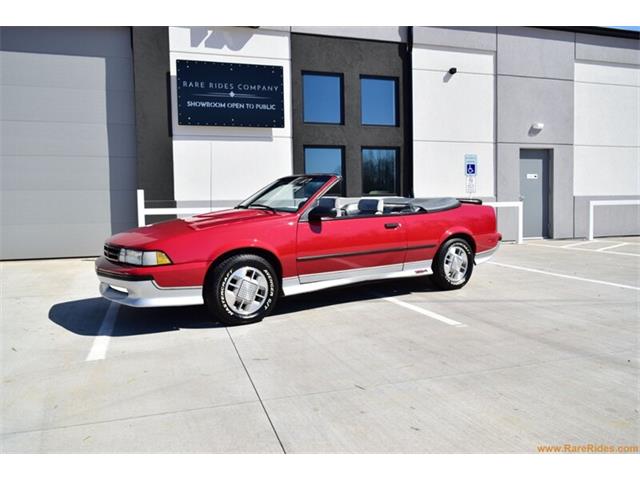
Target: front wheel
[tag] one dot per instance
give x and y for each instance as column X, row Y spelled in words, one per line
column 453, row 264
column 242, row 289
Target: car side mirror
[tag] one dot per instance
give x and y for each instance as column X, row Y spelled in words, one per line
column 316, row 214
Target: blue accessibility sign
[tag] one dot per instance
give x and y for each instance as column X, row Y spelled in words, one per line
column 470, row 164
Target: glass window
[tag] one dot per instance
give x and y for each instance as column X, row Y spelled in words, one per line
column 378, row 101
column 287, row 194
column 322, row 98
column 379, row 171
column 325, row 160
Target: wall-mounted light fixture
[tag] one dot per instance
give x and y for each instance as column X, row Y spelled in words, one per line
column 537, row 126
column 453, row 70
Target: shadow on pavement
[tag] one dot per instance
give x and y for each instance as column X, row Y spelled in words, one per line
column 352, row 293
column 85, row 317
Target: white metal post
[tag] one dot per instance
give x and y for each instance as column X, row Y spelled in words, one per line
column 517, row 205
column 520, row 223
column 590, row 234
column 597, row 203
column 141, row 209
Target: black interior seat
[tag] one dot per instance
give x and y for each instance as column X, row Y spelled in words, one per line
column 370, row 206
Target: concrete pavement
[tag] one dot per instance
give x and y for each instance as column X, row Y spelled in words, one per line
column 543, row 349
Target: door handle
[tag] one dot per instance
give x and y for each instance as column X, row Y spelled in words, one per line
column 389, row 226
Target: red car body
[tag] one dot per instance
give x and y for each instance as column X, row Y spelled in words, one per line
column 306, row 255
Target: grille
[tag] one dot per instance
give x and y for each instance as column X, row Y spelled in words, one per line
column 111, row 252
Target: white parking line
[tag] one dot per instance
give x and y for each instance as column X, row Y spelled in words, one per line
column 562, row 275
column 571, row 245
column 423, row 311
column 611, row 246
column 101, row 342
column 606, row 252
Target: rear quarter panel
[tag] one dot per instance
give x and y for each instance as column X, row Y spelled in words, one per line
column 476, row 221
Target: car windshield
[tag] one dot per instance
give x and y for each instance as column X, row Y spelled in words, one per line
column 287, row 194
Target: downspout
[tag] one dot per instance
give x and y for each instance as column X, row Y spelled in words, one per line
column 409, row 111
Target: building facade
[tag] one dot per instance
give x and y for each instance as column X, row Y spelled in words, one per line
column 205, row 116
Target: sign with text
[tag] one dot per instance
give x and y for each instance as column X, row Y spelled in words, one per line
column 470, row 164
column 229, row 94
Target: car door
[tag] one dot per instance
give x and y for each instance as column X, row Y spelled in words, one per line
column 423, row 233
column 349, row 247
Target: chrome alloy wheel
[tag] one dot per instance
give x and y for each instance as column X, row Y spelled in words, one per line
column 246, row 290
column 456, row 264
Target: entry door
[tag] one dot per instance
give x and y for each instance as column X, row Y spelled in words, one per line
column 534, row 191
column 350, row 247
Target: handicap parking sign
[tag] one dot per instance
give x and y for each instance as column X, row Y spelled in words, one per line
column 470, row 165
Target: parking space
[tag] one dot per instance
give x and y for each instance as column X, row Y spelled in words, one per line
column 540, row 348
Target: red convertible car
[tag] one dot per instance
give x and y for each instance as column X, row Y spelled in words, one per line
column 289, row 238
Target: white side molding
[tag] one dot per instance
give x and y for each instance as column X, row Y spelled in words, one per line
column 294, row 286
column 597, row 203
column 517, row 205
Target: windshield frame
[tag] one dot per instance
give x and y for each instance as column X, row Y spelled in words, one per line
column 329, row 181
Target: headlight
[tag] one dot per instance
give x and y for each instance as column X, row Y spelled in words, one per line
column 137, row 257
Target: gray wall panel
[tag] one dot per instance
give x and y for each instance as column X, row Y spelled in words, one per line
column 42, row 104
column 508, row 188
column 66, row 71
column 83, row 41
column 598, row 48
column 534, row 52
column 52, row 207
column 523, row 101
column 63, row 240
column 67, row 173
column 477, row 38
column 63, row 139
column 561, row 183
column 67, row 154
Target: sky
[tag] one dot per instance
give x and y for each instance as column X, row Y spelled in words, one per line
column 635, row 29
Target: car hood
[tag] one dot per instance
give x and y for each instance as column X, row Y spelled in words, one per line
column 143, row 236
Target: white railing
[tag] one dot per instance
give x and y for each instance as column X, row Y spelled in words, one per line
column 517, row 205
column 143, row 211
column 599, row 203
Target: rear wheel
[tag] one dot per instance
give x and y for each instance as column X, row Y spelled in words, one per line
column 453, row 264
column 242, row 289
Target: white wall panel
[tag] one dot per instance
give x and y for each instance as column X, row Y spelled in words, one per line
column 192, row 169
column 460, row 109
column 232, row 41
column 607, row 114
column 606, row 171
column 240, row 169
column 611, row 74
column 438, row 169
column 453, row 115
column 209, row 161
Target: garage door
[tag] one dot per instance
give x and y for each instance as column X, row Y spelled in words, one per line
column 67, row 140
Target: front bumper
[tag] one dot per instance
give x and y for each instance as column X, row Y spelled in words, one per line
column 146, row 293
column 137, row 288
